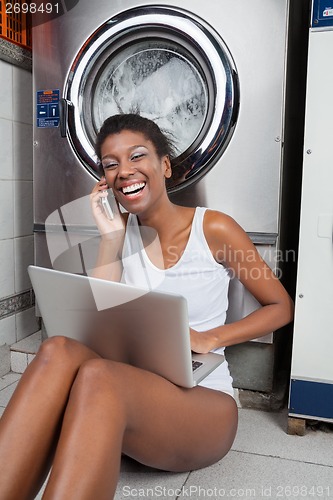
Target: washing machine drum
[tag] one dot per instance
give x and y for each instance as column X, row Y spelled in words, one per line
column 166, row 65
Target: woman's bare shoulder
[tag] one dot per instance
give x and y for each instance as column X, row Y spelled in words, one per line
column 219, row 223
column 223, row 233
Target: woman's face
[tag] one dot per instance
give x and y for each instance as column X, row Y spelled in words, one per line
column 134, row 171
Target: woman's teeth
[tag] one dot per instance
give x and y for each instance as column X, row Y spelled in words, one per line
column 133, row 188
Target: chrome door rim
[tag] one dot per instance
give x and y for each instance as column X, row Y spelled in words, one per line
column 213, row 57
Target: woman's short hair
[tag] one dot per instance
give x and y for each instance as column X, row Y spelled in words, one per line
column 136, row 123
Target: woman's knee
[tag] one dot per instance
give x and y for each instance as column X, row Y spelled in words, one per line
column 60, row 349
column 53, row 347
column 98, row 379
column 114, row 379
column 95, row 373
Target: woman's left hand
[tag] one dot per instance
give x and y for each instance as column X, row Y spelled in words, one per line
column 202, row 342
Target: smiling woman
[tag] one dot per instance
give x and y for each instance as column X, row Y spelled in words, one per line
column 133, row 166
column 99, row 408
column 201, row 249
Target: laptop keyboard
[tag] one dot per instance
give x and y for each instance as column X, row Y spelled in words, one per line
column 196, row 365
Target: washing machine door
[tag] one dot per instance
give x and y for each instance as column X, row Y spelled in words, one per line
column 164, row 64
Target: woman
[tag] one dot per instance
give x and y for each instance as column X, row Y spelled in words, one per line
column 81, row 412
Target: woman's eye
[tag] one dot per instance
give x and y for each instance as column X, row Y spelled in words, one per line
column 110, row 166
column 137, row 156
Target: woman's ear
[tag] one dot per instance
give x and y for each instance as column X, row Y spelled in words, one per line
column 167, row 167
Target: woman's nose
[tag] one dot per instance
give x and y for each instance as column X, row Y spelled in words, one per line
column 125, row 169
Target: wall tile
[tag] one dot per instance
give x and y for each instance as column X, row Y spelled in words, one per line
column 4, row 364
column 22, row 151
column 23, row 208
column 26, row 324
column 7, row 330
column 24, row 256
column 6, row 135
column 22, row 92
column 7, row 285
column 6, row 86
column 6, row 209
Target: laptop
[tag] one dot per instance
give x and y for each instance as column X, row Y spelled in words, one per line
column 147, row 329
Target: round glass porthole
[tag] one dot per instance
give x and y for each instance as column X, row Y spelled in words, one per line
column 164, row 65
column 159, row 81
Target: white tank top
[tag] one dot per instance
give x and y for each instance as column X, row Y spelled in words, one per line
column 196, row 276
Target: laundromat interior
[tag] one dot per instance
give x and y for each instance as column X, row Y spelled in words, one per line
column 245, row 86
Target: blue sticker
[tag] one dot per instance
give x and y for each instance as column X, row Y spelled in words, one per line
column 48, row 108
column 322, row 14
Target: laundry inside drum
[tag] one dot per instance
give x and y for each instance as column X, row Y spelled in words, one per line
column 158, row 82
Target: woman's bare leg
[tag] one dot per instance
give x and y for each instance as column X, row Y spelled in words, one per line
column 31, row 422
column 115, row 408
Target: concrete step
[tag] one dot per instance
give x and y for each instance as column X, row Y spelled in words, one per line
column 24, row 351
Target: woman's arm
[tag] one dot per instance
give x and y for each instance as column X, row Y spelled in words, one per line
column 231, row 246
column 108, row 264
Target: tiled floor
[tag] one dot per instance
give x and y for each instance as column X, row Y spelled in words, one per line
column 265, row 462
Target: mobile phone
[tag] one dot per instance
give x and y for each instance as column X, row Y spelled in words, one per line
column 107, row 209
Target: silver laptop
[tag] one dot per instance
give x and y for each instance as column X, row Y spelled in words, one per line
column 147, row 329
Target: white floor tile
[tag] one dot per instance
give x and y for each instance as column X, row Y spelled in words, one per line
column 8, row 379
column 265, row 433
column 19, row 361
column 137, row 481
column 6, row 394
column 247, row 475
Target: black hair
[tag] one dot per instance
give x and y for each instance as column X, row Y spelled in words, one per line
column 136, row 123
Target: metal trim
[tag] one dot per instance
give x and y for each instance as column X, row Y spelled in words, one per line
column 213, row 57
column 65, row 228
column 263, row 238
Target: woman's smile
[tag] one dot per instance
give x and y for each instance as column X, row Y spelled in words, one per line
column 133, row 190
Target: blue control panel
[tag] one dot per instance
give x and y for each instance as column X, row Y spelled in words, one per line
column 322, row 14
column 47, row 108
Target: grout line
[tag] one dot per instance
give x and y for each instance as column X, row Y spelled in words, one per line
column 183, row 486
column 282, row 458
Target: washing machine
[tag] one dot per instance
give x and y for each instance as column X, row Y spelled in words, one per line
column 212, row 74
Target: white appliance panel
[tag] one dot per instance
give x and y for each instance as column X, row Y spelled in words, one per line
column 313, row 330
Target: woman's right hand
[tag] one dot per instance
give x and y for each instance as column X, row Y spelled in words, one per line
column 109, row 228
